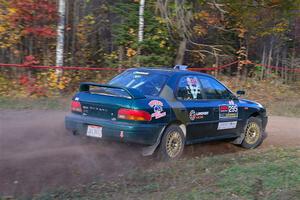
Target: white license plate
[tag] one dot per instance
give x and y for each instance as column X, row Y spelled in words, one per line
column 94, row 131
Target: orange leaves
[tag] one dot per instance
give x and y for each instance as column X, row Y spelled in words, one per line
column 200, row 30
column 130, row 52
column 46, row 32
column 2, row 29
column 206, row 17
column 23, row 80
column 8, row 32
column 245, row 62
column 241, row 32
column 31, row 86
column 203, row 20
column 55, row 82
column 43, row 84
column 131, row 32
column 20, row 18
column 30, row 60
column 201, row 15
column 34, row 17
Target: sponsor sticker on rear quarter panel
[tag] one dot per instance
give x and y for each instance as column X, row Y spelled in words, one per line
column 157, row 108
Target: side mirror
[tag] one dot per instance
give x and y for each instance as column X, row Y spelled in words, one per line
column 240, row 92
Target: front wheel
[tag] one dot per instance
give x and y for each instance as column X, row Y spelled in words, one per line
column 172, row 143
column 253, row 133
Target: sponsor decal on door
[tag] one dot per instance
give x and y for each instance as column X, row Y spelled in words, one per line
column 197, row 115
column 228, row 111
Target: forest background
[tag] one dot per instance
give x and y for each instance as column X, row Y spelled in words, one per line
column 106, row 34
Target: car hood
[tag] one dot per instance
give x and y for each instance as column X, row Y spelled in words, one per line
column 251, row 103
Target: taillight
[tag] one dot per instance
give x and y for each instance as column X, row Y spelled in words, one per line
column 136, row 115
column 76, row 106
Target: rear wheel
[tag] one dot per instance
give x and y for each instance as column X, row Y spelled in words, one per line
column 172, row 143
column 253, row 133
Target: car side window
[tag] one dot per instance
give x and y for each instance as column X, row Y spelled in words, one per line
column 213, row 89
column 189, row 88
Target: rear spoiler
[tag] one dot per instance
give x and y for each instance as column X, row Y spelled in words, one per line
column 133, row 93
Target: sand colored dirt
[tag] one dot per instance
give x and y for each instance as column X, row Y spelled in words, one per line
column 37, row 154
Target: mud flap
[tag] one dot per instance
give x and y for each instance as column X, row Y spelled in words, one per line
column 149, row 150
column 241, row 138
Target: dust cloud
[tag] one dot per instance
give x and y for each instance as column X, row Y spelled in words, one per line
column 38, row 154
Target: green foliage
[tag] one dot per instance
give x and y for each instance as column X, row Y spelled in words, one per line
column 156, row 48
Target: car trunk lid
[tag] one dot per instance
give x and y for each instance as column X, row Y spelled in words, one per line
column 104, row 101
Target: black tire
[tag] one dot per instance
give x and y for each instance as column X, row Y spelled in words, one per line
column 173, row 138
column 253, row 133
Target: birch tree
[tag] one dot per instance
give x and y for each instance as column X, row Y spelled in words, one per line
column 141, row 21
column 60, row 34
column 141, row 26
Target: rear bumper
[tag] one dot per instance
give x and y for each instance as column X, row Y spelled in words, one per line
column 146, row 134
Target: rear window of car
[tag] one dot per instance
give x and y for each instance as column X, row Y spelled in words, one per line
column 148, row 83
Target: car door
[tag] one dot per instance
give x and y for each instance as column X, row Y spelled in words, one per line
column 227, row 113
column 197, row 111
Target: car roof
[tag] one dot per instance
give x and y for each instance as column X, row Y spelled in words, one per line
column 169, row 71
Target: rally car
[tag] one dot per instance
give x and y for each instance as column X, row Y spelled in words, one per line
column 165, row 109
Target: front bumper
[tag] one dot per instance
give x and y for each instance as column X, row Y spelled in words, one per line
column 146, row 134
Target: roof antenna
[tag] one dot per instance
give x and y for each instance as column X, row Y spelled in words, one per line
column 181, row 67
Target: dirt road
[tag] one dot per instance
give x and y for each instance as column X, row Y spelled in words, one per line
column 37, row 154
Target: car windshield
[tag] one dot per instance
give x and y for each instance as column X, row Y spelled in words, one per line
column 148, row 83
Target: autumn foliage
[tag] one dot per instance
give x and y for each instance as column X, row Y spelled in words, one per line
column 104, row 34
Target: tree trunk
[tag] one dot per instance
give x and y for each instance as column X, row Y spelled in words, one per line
column 60, row 35
column 263, row 63
column 75, row 15
column 246, row 66
column 141, row 21
column 120, row 57
column 284, row 63
column 268, row 70
column 181, row 52
column 141, row 27
column 292, row 64
column 67, row 35
column 216, row 64
column 277, row 64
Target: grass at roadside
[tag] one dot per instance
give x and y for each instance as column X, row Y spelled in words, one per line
column 34, row 103
column 255, row 174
